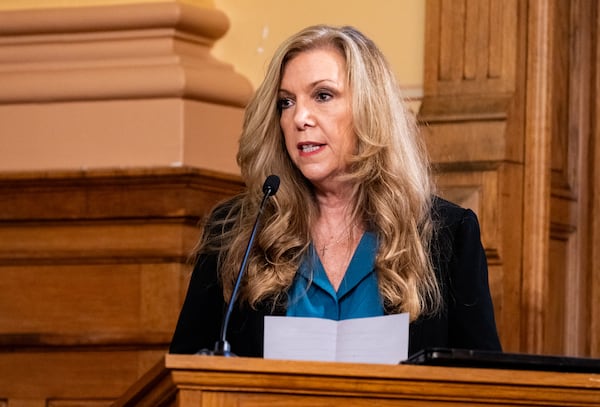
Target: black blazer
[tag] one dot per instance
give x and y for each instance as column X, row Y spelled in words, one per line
column 467, row 320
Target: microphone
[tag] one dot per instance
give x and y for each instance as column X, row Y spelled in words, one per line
column 222, row 347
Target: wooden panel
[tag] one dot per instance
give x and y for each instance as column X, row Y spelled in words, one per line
column 468, row 120
column 99, row 257
column 556, row 296
column 89, row 304
column 64, row 374
column 93, row 269
column 570, row 180
column 455, row 142
column 477, row 190
column 98, row 241
column 555, row 334
column 536, row 224
column 470, row 57
column 510, row 209
column 507, row 86
column 564, row 127
column 593, row 237
column 70, row 299
column 470, row 46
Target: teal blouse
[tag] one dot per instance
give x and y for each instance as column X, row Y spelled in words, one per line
column 312, row 295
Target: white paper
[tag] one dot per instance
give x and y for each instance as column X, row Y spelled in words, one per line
column 381, row 339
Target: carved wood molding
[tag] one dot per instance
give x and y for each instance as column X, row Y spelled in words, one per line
column 61, row 217
column 28, row 342
column 116, row 52
column 102, row 193
column 470, row 59
column 465, row 145
column 470, row 82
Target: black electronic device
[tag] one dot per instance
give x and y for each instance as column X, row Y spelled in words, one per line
column 502, row 360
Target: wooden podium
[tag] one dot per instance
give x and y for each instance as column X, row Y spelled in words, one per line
column 186, row 380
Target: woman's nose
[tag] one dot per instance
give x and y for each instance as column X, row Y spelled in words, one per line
column 303, row 115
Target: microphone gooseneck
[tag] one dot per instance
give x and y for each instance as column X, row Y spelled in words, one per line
column 222, row 347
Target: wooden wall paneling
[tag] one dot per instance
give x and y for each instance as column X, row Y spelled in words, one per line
column 536, row 221
column 93, row 268
column 469, row 58
column 557, row 137
column 467, row 120
column 93, row 263
column 583, row 96
column 569, row 173
column 510, row 201
column 477, row 190
column 495, row 195
column 71, row 374
column 593, row 289
column 90, row 305
column 514, row 95
column 579, row 130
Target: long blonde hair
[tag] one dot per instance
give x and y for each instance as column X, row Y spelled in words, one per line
column 392, row 186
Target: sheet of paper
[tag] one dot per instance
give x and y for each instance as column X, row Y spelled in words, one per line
column 295, row 338
column 366, row 340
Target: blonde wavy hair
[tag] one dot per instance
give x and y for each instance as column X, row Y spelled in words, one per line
column 392, row 186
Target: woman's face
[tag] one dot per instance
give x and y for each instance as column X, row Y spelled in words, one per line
column 316, row 114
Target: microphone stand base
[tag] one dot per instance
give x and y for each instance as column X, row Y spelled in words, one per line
column 222, row 348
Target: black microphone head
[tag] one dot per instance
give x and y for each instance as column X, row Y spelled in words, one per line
column 271, row 185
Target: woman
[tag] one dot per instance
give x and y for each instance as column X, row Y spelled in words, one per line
column 355, row 229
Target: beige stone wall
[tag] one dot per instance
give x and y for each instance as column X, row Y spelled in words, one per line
column 257, row 27
column 89, row 126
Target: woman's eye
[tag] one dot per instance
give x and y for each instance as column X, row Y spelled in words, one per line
column 284, row 103
column 323, row 96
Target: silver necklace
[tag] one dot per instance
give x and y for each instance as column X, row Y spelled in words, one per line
column 347, row 233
